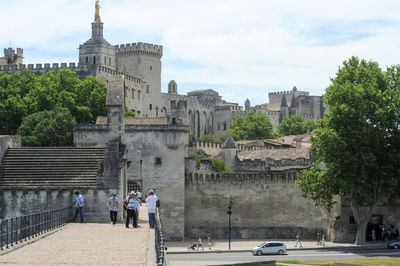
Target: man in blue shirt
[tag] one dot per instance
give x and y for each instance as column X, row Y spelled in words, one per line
column 113, row 204
column 78, row 206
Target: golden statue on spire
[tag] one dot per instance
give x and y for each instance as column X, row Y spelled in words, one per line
column 97, row 13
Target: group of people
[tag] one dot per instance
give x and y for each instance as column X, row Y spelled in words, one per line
column 320, row 238
column 385, row 234
column 199, row 244
column 131, row 204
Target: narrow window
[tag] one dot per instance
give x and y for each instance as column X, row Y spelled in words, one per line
column 94, row 60
column 87, row 59
column 105, row 60
column 158, row 161
column 151, row 107
column 151, row 68
column 224, row 126
column 109, row 61
column 218, row 127
column 133, row 93
column 138, row 95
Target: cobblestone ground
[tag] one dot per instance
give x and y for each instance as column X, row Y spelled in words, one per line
column 87, row 244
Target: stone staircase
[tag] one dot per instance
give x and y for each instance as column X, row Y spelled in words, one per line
column 55, row 167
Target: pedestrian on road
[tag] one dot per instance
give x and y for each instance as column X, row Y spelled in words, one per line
column 113, row 204
column 130, row 208
column 151, row 202
column 373, row 234
column 137, row 204
column 200, row 244
column 78, row 206
column 298, row 240
column 209, row 242
column 323, row 239
column 318, row 238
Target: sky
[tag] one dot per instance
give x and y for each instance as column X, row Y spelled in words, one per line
column 240, row 48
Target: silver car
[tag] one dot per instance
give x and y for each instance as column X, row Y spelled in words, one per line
column 273, row 247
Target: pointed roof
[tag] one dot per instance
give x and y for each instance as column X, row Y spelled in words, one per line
column 284, row 102
column 229, row 143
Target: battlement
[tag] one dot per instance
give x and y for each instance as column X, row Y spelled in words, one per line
column 47, row 67
column 283, row 176
column 208, row 144
column 139, row 48
column 116, row 73
column 300, row 93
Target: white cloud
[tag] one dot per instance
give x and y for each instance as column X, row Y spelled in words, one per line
column 244, row 48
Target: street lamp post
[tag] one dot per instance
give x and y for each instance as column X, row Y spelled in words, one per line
column 230, row 213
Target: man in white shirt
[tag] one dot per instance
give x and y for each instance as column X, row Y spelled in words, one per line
column 113, row 204
column 151, row 202
column 78, row 207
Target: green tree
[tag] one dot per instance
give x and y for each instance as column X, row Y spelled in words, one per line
column 48, row 128
column 358, row 141
column 251, row 127
column 220, row 166
column 23, row 94
column 293, row 125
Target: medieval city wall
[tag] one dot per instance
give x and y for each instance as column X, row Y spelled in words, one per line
column 6, row 142
column 20, row 202
column 266, row 206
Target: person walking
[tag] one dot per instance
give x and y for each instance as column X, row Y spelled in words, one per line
column 130, row 208
column 113, row 204
column 323, row 239
column 209, row 242
column 298, row 241
column 137, row 204
column 200, row 244
column 78, row 206
column 151, row 202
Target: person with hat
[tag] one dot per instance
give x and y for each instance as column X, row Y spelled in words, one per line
column 78, row 206
column 113, row 204
column 129, row 204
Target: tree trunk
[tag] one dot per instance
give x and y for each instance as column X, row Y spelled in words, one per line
column 361, row 233
column 360, row 222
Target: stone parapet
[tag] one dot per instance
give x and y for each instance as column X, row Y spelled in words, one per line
column 139, row 48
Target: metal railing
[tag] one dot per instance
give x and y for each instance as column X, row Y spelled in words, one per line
column 160, row 245
column 16, row 230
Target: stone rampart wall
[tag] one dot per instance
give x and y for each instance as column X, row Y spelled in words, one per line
column 8, row 142
column 265, row 206
column 16, row 202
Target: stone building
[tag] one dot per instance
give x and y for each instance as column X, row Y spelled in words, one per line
column 287, row 103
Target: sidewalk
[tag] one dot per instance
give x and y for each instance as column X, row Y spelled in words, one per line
column 221, row 245
column 88, row 244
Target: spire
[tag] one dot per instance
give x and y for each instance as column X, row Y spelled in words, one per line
column 229, row 143
column 284, row 102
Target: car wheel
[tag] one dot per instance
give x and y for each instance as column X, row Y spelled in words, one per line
column 259, row 253
column 395, row 246
column 281, row 252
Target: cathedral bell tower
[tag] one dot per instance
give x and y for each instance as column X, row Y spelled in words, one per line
column 97, row 51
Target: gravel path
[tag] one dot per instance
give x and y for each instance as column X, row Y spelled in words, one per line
column 87, row 244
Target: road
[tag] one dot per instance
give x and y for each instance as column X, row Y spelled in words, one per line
column 291, row 255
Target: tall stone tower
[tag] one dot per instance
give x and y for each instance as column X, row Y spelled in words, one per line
column 97, row 51
column 247, row 105
column 229, row 153
column 11, row 57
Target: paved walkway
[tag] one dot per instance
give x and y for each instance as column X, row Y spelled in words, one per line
column 87, row 244
column 223, row 244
